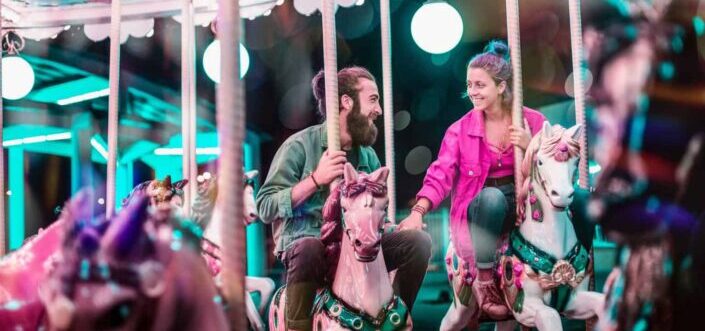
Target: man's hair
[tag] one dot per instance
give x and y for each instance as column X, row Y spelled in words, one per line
column 348, row 79
column 495, row 61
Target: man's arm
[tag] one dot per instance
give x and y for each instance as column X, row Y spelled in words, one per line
column 274, row 197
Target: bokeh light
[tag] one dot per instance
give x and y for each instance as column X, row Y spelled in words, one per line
column 211, row 61
column 17, row 77
column 436, row 27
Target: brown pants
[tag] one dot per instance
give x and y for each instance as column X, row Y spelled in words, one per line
column 406, row 251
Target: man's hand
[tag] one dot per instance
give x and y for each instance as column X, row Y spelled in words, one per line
column 412, row 222
column 330, row 167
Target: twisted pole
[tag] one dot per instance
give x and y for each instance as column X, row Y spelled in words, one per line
column 113, row 110
column 385, row 17
column 576, row 43
column 230, row 114
column 330, row 68
column 514, row 40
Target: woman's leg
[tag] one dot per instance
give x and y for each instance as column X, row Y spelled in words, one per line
column 486, row 214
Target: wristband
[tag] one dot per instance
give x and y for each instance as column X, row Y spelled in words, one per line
column 315, row 182
column 419, row 209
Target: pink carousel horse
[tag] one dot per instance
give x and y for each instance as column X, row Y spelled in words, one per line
column 544, row 271
column 210, row 218
column 361, row 296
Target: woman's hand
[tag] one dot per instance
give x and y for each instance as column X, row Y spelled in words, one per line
column 519, row 136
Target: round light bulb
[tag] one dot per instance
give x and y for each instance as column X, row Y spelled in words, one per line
column 211, row 61
column 17, row 77
column 437, row 27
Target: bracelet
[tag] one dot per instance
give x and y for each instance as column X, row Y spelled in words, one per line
column 419, row 209
column 315, row 182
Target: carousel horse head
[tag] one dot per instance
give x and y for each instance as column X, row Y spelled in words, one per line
column 549, row 166
column 114, row 274
column 203, row 207
column 363, row 201
column 161, row 193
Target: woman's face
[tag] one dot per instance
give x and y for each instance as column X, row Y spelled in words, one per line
column 483, row 91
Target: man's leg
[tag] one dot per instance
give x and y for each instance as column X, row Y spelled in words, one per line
column 408, row 252
column 306, row 267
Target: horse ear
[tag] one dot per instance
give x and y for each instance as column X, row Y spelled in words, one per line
column 380, row 175
column 167, row 181
column 546, row 129
column 349, row 173
column 575, row 131
column 180, row 184
column 126, row 238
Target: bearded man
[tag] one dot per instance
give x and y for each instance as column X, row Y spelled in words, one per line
column 292, row 197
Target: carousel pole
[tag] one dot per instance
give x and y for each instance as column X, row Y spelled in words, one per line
column 188, row 136
column 114, row 78
column 230, row 116
column 576, row 42
column 385, row 17
column 330, row 67
column 3, row 220
column 517, row 93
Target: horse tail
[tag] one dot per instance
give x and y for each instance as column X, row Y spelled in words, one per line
column 332, row 231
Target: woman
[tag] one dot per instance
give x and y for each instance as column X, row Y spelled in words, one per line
column 476, row 165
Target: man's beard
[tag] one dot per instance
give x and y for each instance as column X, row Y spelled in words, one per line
column 361, row 133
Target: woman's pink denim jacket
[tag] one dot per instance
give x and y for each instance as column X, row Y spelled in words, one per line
column 461, row 169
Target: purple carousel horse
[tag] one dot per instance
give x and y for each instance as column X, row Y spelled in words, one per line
column 119, row 274
column 544, row 271
column 361, row 296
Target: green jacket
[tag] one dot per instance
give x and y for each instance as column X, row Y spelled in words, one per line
column 295, row 160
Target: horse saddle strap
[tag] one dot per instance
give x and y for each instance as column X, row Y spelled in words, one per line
column 391, row 318
column 577, row 258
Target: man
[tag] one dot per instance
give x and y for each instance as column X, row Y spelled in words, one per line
column 296, row 188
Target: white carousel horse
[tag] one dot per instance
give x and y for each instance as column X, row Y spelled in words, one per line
column 544, row 270
column 211, row 218
column 361, row 296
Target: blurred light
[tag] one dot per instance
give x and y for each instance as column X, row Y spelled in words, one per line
column 83, row 97
column 8, row 192
column 211, row 61
column 594, row 168
column 360, row 2
column 436, row 27
column 666, row 70
column 401, row 120
column 180, row 151
column 17, row 77
column 587, row 83
column 150, row 33
column 99, row 147
column 699, row 25
column 417, row 160
column 101, row 201
column 36, row 139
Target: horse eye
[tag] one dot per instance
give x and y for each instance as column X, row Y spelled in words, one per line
column 116, row 316
column 540, row 163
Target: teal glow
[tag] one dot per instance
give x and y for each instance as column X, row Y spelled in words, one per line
column 123, row 182
column 82, row 89
column 699, row 25
column 16, row 185
column 100, row 146
column 594, row 168
column 17, row 77
column 255, row 232
column 211, row 61
column 436, row 27
column 639, row 124
column 666, row 70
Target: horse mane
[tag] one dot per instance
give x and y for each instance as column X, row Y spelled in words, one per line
column 559, row 145
column 332, row 231
column 204, row 203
